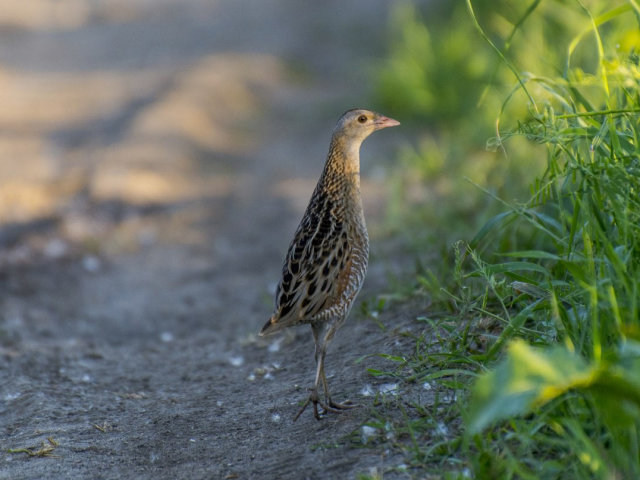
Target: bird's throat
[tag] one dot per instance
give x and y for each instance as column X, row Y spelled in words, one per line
column 344, row 159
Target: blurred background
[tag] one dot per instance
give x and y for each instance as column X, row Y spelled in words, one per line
column 113, row 111
column 464, row 103
column 125, row 123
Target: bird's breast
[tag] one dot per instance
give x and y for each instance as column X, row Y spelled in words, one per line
column 359, row 257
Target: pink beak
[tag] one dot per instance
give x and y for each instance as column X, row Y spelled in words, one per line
column 384, row 122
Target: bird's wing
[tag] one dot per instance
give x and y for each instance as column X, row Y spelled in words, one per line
column 313, row 272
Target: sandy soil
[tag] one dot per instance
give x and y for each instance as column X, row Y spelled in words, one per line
column 155, row 158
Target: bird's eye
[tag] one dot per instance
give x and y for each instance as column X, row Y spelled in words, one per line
column 362, row 118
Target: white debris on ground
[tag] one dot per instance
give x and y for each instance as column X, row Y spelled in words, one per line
column 166, row 337
column 388, row 388
column 91, row 264
column 275, row 345
column 265, row 372
column 442, row 429
column 236, row 360
column 367, row 433
column 367, row 390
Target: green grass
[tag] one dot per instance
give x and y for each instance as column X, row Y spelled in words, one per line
column 534, row 323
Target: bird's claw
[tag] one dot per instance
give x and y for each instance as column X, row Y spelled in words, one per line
column 318, row 414
column 327, row 407
column 304, row 407
column 346, row 405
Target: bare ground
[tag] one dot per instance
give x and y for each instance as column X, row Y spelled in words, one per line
column 155, row 158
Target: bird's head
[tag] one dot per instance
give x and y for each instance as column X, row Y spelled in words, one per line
column 358, row 124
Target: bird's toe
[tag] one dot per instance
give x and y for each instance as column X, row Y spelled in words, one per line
column 346, row 405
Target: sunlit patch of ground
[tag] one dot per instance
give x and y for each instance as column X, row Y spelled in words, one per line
column 136, row 137
column 70, row 14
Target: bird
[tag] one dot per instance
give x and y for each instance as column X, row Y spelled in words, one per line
column 327, row 259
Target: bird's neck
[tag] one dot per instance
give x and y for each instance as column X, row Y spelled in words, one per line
column 340, row 181
column 343, row 160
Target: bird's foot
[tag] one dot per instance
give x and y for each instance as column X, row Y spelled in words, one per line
column 336, row 407
column 327, row 407
column 346, row 405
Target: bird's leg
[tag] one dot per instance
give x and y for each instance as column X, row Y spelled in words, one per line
column 321, row 339
column 327, row 405
column 334, row 405
column 321, row 351
column 313, row 396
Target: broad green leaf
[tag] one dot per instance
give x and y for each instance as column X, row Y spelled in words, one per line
column 528, row 377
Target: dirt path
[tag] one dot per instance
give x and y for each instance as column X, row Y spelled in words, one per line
column 170, row 148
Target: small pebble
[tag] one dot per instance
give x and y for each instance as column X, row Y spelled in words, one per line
column 166, row 337
column 91, row 263
column 449, row 398
column 236, row 361
column 275, row 345
column 11, row 396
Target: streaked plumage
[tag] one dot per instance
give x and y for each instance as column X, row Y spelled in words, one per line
column 326, row 262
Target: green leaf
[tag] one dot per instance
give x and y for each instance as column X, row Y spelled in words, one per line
column 527, row 378
column 533, row 254
column 487, row 227
column 530, row 377
column 516, row 267
column 511, row 329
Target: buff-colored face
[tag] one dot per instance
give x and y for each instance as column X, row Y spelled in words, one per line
column 360, row 123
